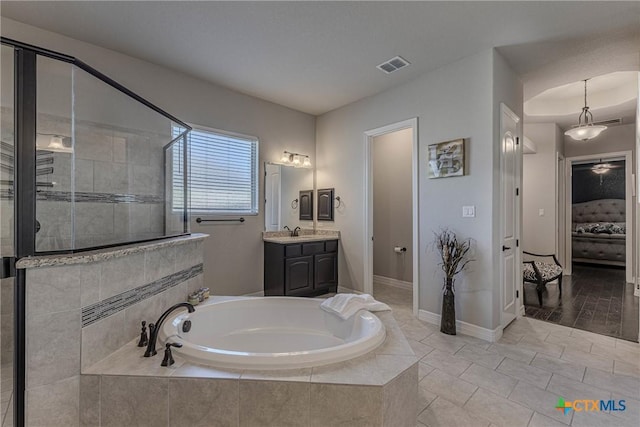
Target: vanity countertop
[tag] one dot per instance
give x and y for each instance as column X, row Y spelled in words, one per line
column 284, row 237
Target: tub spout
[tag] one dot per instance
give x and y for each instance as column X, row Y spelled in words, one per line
column 153, row 335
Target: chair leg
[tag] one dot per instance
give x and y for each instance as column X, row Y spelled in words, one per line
column 560, row 284
column 539, row 291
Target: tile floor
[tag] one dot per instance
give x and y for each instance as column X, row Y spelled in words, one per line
column 6, row 394
column 468, row 382
column 595, row 298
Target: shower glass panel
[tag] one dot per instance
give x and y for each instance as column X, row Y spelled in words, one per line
column 54, row 155
column 7, row 133
column 103, row 176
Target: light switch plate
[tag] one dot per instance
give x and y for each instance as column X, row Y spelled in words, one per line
column 468, row 211
column 541, row 212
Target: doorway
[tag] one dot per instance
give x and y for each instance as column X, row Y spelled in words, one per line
column 391, row 217
column 599, row 235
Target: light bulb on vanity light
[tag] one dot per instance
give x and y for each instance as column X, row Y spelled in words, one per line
column 285, row 157
column 307, row 162
column 296, row 160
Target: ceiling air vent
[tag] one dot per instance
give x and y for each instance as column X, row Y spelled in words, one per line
column 611, row 122
column 393, row 64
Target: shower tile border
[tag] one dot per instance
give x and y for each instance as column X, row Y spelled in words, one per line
column 112, row 305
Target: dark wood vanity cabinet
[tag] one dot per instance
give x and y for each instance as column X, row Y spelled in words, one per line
column 300, row 269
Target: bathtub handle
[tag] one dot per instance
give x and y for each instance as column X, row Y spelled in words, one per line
column 168, row 357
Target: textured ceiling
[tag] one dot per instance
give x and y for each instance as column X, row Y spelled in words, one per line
column 318, row 56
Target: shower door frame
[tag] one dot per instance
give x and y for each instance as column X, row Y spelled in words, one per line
column 25, row 110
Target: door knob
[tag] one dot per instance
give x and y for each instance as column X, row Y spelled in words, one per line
column 505, row 248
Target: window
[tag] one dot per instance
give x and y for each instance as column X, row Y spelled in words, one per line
column 223, row 176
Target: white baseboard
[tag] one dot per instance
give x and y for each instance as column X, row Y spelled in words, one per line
column 522, row 312
column 393, row 282
column 464, row 327
column 254, row 294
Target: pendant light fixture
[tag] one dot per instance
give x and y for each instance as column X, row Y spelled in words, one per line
column 585, row 130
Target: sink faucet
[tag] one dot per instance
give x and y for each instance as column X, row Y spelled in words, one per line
column 288, row 229
column 153, row 331
column 295, row 233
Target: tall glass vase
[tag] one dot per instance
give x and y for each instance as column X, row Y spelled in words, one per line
column 448, row 318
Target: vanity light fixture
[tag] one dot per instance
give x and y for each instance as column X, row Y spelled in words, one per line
column 53, row 142
column 585, row 130
column 295, row 159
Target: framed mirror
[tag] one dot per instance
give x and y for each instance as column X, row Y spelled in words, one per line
column 282, row 188
column 325, row 204
column 306, row 205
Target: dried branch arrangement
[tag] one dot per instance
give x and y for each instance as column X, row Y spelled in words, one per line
column 453, row 252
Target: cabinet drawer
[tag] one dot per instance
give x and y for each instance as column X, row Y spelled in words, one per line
column 331, row 246
column 312, row 248
column 292, row 250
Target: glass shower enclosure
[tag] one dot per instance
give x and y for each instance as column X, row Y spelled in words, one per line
column 85, row 164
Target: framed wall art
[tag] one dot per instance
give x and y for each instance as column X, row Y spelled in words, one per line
column 446, row 159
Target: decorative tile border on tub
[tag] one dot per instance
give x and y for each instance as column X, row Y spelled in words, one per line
column 116, row 303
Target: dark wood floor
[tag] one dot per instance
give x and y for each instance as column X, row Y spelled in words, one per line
column 594, row 298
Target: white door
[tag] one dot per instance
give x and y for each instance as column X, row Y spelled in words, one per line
column 509, row 224
column 272, row 179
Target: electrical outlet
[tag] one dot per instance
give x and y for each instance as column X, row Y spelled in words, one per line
column 468, row 211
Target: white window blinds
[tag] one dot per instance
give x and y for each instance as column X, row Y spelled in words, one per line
column 223, row 176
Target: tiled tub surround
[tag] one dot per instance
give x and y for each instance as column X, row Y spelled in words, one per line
column 107, row 289
column 376, row 389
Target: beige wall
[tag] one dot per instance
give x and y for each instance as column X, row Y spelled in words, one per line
column 460, row 100
column 392, row 205
column 234, row 252
column 540, row 189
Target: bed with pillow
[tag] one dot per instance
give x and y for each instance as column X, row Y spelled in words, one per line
column 598, row 233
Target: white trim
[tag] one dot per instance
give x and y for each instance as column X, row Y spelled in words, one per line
column 628, row 165
column 517, row 285
column 389, row 281
column 368, row 204
column 491, row 335
column 254, row 294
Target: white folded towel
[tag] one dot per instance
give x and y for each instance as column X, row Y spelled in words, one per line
column 346, row 305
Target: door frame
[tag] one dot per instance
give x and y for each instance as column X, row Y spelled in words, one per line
column 629, row 195
column 560, row 225
column 517, row 285
column 369, row 136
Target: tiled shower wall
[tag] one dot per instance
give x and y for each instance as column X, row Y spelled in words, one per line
column 117, row 177
column 111, row 165
column 78, row 314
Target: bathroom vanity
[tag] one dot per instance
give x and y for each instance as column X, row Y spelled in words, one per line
column 300, row 266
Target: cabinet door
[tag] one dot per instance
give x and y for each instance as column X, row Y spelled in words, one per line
column 326, row 270
column 298, row 275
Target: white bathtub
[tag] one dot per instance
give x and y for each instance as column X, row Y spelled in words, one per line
column 271, row 333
